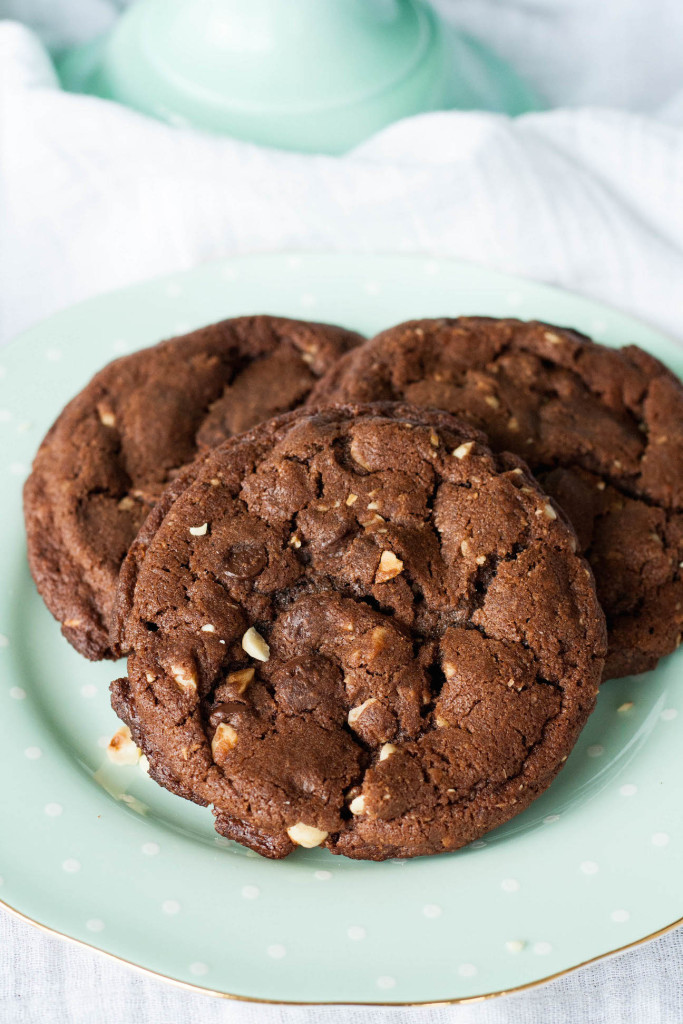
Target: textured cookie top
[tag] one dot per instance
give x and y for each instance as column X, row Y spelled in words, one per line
column 357, row 626
column 601, row 428
column 119, row 442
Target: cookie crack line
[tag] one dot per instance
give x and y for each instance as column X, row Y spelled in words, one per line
column 359, row 715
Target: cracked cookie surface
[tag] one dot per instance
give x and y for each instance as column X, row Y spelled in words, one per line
column 601, row 428
column 117, row 444
column 357, row 627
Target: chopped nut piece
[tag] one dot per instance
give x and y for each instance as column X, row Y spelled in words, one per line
column 464, row 449
column 626, row 706
column 357, row 805
column 389, row 567
column 224, row 740
column 307, row 836
column 72, row 623
column 126, row 504
column 351, row 499
column 215, row 481
column 199, row 531
column 480, row 559
column 184, row 678
column 254, row 644
column 208, row 628
column 441, row 723
column 434, row 439
column 492, row 401
column 465, row 547
column 240, row 679
column 387, row 750
column 355, row 713
column 547, row 510
column 323, row 508
column 600, row 485
column 513, row 424
column 356, row 456
column 122, row 750
column 150, row 677
column 373, row 505
column 107, row 417
column 518, row 471
column 552, row 338
column 308, row 357
column 294, row 541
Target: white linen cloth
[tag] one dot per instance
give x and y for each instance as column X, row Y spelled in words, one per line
column 590, row 196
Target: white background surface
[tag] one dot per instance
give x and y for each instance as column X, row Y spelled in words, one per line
column 589, row 196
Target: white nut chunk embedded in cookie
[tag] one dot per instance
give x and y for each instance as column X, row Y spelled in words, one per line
column 389, row 567
column 224, row 740
column 357, row 805
column 122, row 749
column 255, row 646
column 307, row 836
column 355, row 713
column 184, row 677
column 240, row 679
column 386, row 751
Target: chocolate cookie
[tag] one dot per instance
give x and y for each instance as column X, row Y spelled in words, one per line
column 601, row 428
column 357, row 627
column 114, row 448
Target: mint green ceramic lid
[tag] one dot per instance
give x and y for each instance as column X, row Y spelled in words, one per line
column 312, row 75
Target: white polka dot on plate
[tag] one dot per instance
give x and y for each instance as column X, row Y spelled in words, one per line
column 170, row 906
column 276, row 952
column 510, row 885
column 598, row 326
column 150, row 849
column 173, row 289
column 660, row 839
column 2, row 880
column 251, row 892
column 53, row 810
column 467, row 970
column 620, row 916
column 71, row 866
column 94, row 924
column 3, row 371
column 294, row 262
column 431, row 910
column 371, row 288
column 542, row 948
column 198, row 968
column 33, row 753
column 356, row 933
column 182, row 327
column 5, row 415
column 550, row 819
column 4, row 640
column 628, row 789
column 53, row 355
column 89, row 690
column 16, row 693
column 307, row 299
column 385, row 981
column 103, row 741
column 322, row 876
column 120, row 346
column 596, row 750
column 431, row 267
column 229, row 274
column 18, row 469
column 668, row 714
column 589, row 867
column 513, row 298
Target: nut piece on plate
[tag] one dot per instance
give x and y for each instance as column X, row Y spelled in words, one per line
column 122, row 750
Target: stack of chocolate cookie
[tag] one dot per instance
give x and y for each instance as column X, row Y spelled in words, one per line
column 364, row 623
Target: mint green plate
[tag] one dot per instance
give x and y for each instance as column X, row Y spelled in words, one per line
column 99, row 853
